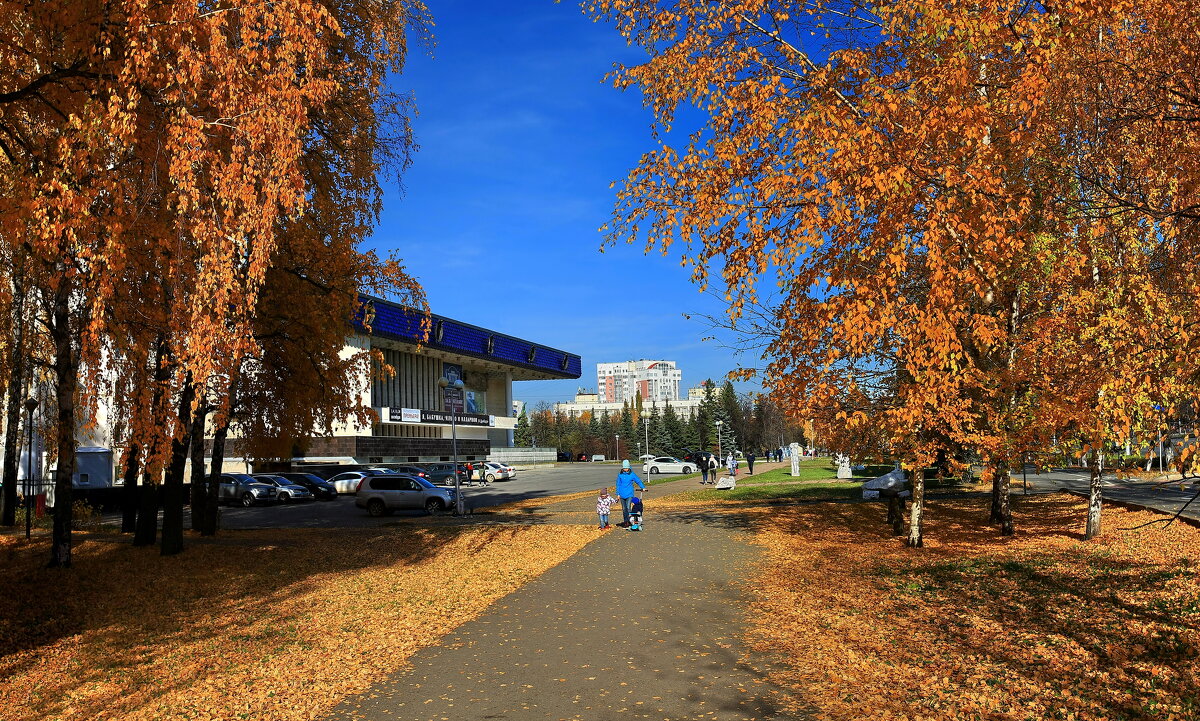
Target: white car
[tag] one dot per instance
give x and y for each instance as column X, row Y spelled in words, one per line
column 667, row 464
column 498, row 472
column 348, row 482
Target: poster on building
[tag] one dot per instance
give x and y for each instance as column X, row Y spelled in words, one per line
column 452, row 399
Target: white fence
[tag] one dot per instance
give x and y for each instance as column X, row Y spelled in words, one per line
column 523, row 455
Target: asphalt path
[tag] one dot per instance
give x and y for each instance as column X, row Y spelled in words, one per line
column 1166, row 496
column 532, row 482
column 634, row 626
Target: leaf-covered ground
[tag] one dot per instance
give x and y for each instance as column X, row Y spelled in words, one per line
column 268, row 625
column 976, row 626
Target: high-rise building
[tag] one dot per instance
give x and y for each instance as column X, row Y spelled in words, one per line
column 655, row 380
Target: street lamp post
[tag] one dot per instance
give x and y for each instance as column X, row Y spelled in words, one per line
column 31, row 405
column 457, row 385
column 618, row 443
column 646, row 424
column 720, row 456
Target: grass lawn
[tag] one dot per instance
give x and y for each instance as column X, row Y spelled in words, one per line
column 1040, row 625
column 809, row 471
column 273, row 625
column 807, row 490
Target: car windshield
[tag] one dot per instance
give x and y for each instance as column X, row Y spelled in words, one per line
column 424, row 482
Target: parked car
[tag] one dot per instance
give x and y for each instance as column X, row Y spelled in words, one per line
column 411, row 470
column 443, row 473
column 286, row 491
column 320, row 488
column 385, row 493
column 667, row 464
column 347, row 481
column 497, row 472
column 242, row 488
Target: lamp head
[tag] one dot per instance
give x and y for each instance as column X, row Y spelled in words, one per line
column 31, row 403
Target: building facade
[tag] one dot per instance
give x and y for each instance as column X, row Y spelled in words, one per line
column 413, row 412
column 654, row 380
column 594, row 404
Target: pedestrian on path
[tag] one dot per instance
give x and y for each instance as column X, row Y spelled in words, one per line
column 703, row 461
column 731, row 464
column 750, row 462
column 603, row 504
column 626, row 480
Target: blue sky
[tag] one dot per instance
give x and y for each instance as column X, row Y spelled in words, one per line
column 499, row 219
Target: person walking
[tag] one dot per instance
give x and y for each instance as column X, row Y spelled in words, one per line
column 603, row 505
column 750, row 462
column 731, row 464
column 702, row 461
column 626, row 480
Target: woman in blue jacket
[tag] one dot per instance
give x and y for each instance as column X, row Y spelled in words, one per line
column 625, row 482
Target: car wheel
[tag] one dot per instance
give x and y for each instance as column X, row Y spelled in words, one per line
column 654, row 469
column 285, row 498
column 376, row 508
column 433, row 505
column 247, row 499
column 491, row 478
column 687, row 469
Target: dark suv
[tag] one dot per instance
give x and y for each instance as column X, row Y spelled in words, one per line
column 321, row 489
column 241, row 488
column 443, row 473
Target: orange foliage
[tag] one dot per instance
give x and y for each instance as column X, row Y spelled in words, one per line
column 1032, row 626
column 981, row 214
column 265, row 625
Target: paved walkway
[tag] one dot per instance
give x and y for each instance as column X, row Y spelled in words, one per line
column 636, row 625
column 1158, row 495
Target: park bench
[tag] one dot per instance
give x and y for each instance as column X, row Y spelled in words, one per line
column 890, row 486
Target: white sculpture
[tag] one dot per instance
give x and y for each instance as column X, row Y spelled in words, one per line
column 726, row 483
column 843, row 466
column 795, row 455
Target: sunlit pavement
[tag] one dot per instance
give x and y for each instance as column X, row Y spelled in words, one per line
column 1165, row 496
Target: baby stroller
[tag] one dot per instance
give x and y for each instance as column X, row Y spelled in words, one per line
column 635, row 514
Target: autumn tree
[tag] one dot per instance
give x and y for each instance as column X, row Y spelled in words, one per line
column 159, row 141
column 926, row 185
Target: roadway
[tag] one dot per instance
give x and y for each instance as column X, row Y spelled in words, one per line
column 532, row 482
column 1162, row 495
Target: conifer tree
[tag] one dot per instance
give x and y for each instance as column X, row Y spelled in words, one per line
column 523, row 434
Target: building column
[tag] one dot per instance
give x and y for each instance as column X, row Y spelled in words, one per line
column 508, row 404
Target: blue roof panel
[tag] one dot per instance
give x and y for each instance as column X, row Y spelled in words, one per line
column 397, row 322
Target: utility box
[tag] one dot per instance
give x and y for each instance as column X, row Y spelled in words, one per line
column 93, row 468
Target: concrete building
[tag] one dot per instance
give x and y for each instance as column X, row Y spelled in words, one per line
column 592, row 403
column 655, row 380
column 413, row 414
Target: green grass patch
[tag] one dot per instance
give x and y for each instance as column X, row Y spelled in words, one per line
column 811, row 491
column 810, row 471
